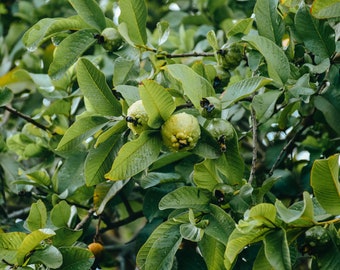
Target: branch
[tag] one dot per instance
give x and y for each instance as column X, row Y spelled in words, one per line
column 161, row 54
column 134, row 216
column 254, row 158
column 27, row 118
column 81, row 224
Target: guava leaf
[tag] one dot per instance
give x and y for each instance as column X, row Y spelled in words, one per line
column 276, row 250
column 47, row 27
column 324, row 9
column 133, row 16
column 81, row 129
column 269, row 22
column 9, row 245
column 31, row 241
column 60, row 214
column 90, row 12
column 212, row 252
column 185, row 197
column 93, row 85
column 37, row 217
column 277, row 61
column 159, row 250
column 69, row 50
column 330, row 111
column 325, row 183
column 205, row 174
column 195, row 87
column 242, row 89
column 6, row 96
column 135, row 156
column 49, row 256
column 76, row 258
column 157, row 102
column 317, row 35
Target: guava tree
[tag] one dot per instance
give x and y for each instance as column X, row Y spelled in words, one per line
column 170, row 134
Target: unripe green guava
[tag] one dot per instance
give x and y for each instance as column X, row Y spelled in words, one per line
column 137, row 118
column 211, row 107
column 317, row 238
column 222, row 130
column 112, row 40
column 233, row 57
column 223, row 193
column 181, row 132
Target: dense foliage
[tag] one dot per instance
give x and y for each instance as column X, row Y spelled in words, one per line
column 198, row 134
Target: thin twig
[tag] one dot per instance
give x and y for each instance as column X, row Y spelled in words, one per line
column 180, row 55
column 85, row 219
column 282, row 153
column 254, row 158
column 26, row 117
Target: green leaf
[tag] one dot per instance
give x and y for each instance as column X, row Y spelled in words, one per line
column 186, row 197
column 135, row 156
column 324, row 9
column 325, row 183
column 277, row 61
column 241, row 27
column 69, row 50
column 157, row 102
column 231, row 163
column 239, row 240
column 37, row 217
column 6, row 96
column 76, row 258
column 9, row 245
column 242, row 89
column 31, row 241
column 191, row 232
column 159, row 250
column 47, row 27
column 60, row 214
column 103, row 195
column 276, row 250
column 297, row 217
column 194, row 86
column 99, row 160
column 212, row 252
column 66, row 237
column 90, row 12
column 155, row 178
column 49, row 256
column 163, row 31
column 317, row 35
column 268, row 21
column 133, row 19
column 221, row 224
column 264, row 105
column 261, row 261
column 93, row 85
column 81, row 129
column 205, row 174
column 330, row 112
column 212, row 39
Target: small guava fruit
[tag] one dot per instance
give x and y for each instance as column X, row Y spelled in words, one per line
column 222, row 130
column 137, row 117
column 317, row 238
column 211, row 107
column 233, row 57
column 111, row 40
column 181, row 132
column 97, row 249
column 223, row 193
